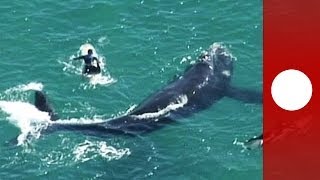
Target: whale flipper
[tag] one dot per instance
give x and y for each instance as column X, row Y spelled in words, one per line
column 42, row 104
column 254, row 142
column 245, row 95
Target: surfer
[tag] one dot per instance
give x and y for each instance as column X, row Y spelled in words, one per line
column 89, row 68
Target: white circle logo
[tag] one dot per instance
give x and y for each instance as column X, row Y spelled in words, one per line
column 291, row 90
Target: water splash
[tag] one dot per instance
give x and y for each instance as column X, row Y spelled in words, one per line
column 185, row 59
column 69, row 67
column 249, row 145
column 101, row 79
column 27, row 118
column 102, row 41
column 89, row 150
column 131, row 108
column 24, row 115
column 216, row 49
column 19, row 92
column 78, row 121
column 25, row 87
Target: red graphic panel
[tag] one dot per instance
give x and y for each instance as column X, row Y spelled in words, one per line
column 291, row 41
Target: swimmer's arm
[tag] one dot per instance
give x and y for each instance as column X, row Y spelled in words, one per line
column 77, row 58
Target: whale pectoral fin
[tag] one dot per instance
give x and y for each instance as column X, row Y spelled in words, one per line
column 254, row 142
column 42, row 104
column 245, row 95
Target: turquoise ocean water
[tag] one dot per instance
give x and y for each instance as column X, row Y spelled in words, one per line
column 144, row 44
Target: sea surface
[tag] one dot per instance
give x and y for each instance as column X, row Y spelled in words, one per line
column 143, row 45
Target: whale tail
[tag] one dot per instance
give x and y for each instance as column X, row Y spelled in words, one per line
column 244, row 95
column 42, row 104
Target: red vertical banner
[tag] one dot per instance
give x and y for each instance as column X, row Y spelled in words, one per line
column 291, row 40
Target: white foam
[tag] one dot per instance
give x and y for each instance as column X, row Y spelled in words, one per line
column 253, row 144
column 78, row 121
column 25, row 87
column 183, row 60
column 70, row 67
column 27, row 118
column 96, row 119
column 89, row 150
column 101, row 79
column 131, row 108
column 215, row 46
column 102, row 41
column 226, row 73
column 180, row 102
column 215, row 49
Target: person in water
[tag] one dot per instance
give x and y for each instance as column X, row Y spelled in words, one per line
column 89, row 68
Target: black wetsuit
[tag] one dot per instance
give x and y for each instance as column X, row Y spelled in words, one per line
column 88, row 67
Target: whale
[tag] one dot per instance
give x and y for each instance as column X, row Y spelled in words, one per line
column 202, row 84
